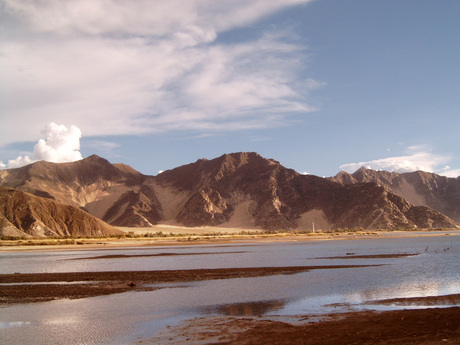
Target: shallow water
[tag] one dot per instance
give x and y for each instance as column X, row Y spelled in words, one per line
column 128, row 317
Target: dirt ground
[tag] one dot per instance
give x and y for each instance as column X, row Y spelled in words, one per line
column 401, row 327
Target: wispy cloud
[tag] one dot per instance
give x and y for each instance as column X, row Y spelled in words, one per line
column 416, row 158
column 103, row 147
column 130, row 67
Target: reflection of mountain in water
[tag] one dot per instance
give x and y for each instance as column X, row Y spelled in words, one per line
column 247, row 309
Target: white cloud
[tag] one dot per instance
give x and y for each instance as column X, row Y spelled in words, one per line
column 142, row 17
column 450, row 172
column 416, row 158
column 60, row 145
column 130, row 67
column 19, row 162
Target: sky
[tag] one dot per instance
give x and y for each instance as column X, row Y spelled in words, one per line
column 318, row 85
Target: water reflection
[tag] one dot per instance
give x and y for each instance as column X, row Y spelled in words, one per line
column 422, row 295
column 124, row 318
column 406, row 290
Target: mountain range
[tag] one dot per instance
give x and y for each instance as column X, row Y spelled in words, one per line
column 234, row 190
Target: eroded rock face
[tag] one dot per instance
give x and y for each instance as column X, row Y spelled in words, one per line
column 205, row 208
column 242, row 189
column 139, row 208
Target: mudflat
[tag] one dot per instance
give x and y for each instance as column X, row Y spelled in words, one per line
column 39, row 287
column 400, row 327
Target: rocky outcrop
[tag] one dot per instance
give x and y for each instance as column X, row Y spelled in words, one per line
column 23, row 214
column 135, row 209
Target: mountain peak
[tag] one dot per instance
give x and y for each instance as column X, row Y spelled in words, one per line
column 94, row 158
column 243, row 189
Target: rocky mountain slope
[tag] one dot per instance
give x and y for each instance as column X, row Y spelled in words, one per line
column 23, row 214
column 235, row 190
column 419, row 188
column 92, row 184
column 248, row 190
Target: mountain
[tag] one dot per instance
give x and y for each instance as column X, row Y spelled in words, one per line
column 245, row 189
column 23, row 214
column 234, row 190
column 420, row 188
column 111, row 192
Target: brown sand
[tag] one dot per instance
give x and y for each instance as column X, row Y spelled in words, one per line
column 193, row 236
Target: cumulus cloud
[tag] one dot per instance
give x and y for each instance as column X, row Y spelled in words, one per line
column 19, row 162
column 132, row 67
column 61, row 145
column 416, row 158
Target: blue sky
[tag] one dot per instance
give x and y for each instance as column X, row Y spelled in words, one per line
column 318, row 85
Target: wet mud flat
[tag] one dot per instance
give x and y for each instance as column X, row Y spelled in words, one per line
column 39, row 287
column 401, row 327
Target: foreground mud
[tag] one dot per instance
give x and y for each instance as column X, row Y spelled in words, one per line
column 38, row 287
column 401, row 327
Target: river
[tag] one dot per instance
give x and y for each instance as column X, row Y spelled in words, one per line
column 128, row 317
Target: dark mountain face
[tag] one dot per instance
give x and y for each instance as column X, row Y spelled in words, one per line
column 419, row 188
column 237, row 190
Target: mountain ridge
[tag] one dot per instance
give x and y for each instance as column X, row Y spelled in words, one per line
column 420, row 188
column 240, row 189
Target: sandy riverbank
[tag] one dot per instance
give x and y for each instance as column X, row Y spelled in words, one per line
column 175, row 235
